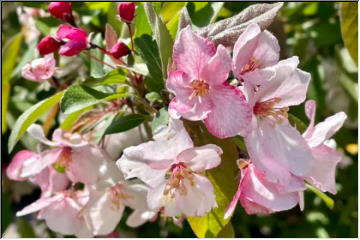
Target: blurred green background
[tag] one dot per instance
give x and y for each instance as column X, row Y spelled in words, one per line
column 311, row 30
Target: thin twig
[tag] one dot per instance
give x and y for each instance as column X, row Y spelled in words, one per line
column 99, row 60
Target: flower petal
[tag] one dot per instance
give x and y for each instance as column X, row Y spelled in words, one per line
column 72, row 47
column 14, row 170
column 322, row 174
column 277, row 149
column 260, row 195
column 217, row 70
column 39, row 204
column 67, row 31
column 289, row 84
column 232, row 205
column 201, row 158
column 324, row 130
column 231, row 114
column 37, row 132
column 192, row 52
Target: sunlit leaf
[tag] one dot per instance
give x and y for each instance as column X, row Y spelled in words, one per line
column 78, row 97
column 349, row 27
column 30, row 116
column 125, row 123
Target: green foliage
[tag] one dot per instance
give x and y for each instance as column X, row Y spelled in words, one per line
column 349, row 27
column 78, row 97
column 327, row 200
column 24, row 228
column 96, row 67
column 125, row 123
column 149, row 51
column 204, row 13
column 30, row 116
column 116, row 76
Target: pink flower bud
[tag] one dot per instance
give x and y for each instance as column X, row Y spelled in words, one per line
column 126, row 11
column 61, row 10
column 119, row 50
column 48, row 45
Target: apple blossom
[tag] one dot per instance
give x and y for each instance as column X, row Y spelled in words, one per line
column 40, row 69
column 119, row 50
column 323, row 166
column 258, row 195
column 200, row 86
column 274, row 146
column 76, row 40
column 254, row 49
column 171, row 166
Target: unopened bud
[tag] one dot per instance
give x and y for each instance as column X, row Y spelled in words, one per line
column 48, row 45
column 119, row 50
column 126, row 11
column 62, row 11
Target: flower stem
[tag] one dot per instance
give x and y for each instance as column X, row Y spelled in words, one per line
column 99, row 60
column 131, row 37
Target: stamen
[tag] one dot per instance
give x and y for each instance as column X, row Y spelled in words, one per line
column 200, row 88
column 118, row 195
column 176, row 176
column 266, row 109
column 250, row 66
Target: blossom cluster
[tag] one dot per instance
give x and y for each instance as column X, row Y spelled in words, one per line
column 247, row 93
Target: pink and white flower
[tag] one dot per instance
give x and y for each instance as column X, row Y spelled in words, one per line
column 171, row 166
column 254, row 49
column 323, row 166
column 61, row 212
column 40, row 69
column 274, row 146
column 258, row 195
column 201, row 89
column 70, row 154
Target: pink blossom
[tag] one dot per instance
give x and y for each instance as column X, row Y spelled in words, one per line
column 274, row 146
column 48, row 45
column 323, row 167
column 258, row 195
column 40, row 69
column 119, row 50
column 201, row 89
column 170, row 165
column 70, row 154
column 61, row 212
column 75, row 38
column 254, row 49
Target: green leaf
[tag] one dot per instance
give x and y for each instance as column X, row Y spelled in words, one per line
column 142, row 25
column 327, row 200
column 24, row 228
column 97, row 68
column 72, row 118
column 171, row 10
column 227, row 231
column 78, row 97
column 161, row 118
column 205, row 15
column 6, row 212
column 349, row 27
column 125, row 123
column 5, row 92
column 153, row 97
column 223, row 178
column 116, row 76
column 30, row 116
column 149, row 51
column 10, row 54
column 297, row 123
column 162, row 36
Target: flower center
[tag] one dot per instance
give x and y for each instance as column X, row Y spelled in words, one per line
column 266, row 109
column 177, row 175
column 117, row 195
column 200, row 88
column 64, row 160
column 250, row 66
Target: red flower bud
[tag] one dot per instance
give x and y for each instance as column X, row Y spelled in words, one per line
column 119, row 50
column 48, row 45
column 62, row 11
column 126, row 11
